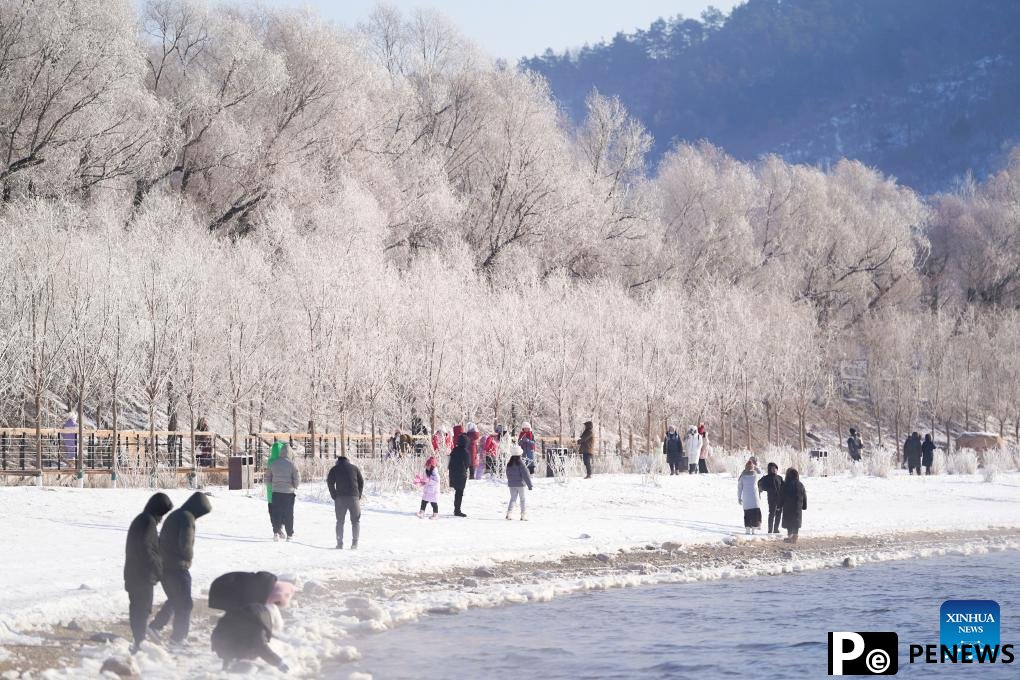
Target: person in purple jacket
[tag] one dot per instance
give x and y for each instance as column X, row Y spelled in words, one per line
column 517, row 478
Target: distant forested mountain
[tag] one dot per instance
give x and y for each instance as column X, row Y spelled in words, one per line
column 925, row 90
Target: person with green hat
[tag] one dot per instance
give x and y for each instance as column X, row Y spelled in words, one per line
column 274, row 453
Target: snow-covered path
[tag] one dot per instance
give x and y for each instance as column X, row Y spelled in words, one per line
column 63, row 548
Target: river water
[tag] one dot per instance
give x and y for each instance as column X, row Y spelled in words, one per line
column 762, row 627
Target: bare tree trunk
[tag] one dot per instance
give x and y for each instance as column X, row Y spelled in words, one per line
column 949, row 441
column 768, row 423
column 38, row 434
column 896, row 433
column 80, row 448
column 839, row 430
column 152, row 433
column 233, row 423
column 747, row 426
column 779, row 434
column 648, row 429
column 878, row 423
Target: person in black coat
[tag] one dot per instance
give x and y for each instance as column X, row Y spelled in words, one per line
column 772, row 485
column 244, row 633
column 460, row 461
column 346, row 485
column 912, row 452
column 793, row 501
column 673, row 447
column 143, row 567
column 927, row 453
column 177, row 548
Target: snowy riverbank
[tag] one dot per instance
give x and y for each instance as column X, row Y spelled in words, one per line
column 64, row 549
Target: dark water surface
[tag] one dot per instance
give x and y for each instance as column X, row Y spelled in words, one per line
column 768, row 627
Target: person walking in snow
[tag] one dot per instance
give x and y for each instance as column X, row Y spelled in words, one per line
column 458, row 468
column 747, row 496
column 517, row 478
column 703, row 454
column 673, row 448
column 274, row 455
column 586, row 447
column 177, row 550
column 927, row 453
column 346, row 484
column 692, row 445
column 793, row 499
column 430, row 489
column 143, row 567
column 285, row 478
column 772, row 485
column 526, row 440
column 854, row 445
column 912, row 452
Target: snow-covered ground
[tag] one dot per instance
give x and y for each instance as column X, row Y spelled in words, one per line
column 62, row 552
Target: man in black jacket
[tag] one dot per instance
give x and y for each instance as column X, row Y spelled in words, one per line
column 143, row 567
column 912, row 451
column 177, row 548
column 345, row 485
column 772, row 485
column 460, row 461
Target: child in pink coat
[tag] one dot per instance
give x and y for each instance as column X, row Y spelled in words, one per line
column 430, row 489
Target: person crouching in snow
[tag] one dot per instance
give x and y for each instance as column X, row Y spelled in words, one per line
column 430, row 490
column 747, row 496
column 143, row 567
column 793, row 498
column 517, row 478
column 244, row 633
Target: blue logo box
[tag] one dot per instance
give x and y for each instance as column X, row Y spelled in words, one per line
column 973, row 622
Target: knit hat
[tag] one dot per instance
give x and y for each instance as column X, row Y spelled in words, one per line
column 526, row 425
column 281, row 594
column 701, row 428
column 431, row 462
column 471, row 427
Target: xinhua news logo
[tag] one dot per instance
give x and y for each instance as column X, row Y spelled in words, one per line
column 863, row 653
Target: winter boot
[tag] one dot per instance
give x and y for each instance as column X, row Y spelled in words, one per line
column 421, row 514
column 524, row 516
column 747, row 531
column 435, row 515
column 508, row 514
column 354, row 546
column 339, row 545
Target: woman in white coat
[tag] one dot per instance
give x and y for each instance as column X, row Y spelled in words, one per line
column 747, row 496
column 692, row 446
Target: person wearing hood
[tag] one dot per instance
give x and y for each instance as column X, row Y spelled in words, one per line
column 274, row 455
column 245, row 632
column 586, row 447
column 177, row 549
column 143, row 567
column 673, row 447
column 854, row 445
column 747, row 496
column 458, row 468
column 927, row 453
column 772, row 485
column 793, row 499
column 284, row 478
column 346, row 484
column 692, row 445
column 913, row 449
column 526, row 440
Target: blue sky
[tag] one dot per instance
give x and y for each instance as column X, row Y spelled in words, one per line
column 526, row 27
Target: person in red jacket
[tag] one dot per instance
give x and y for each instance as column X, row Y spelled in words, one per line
column 526, row 440
column 473, row 436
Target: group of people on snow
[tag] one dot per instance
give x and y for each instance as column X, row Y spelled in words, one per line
column 689, row 453
column 164, row 556
column 786, row 498
column 916, row 452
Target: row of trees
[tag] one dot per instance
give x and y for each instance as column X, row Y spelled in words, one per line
column 253, row 216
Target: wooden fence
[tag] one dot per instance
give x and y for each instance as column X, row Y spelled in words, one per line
column 139, row 451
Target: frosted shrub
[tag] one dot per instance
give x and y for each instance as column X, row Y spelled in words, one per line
column 938, row 462
column 963, row 462
column 881, row 462
column 996, row 461
column 650, row 466
column 612, row 464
